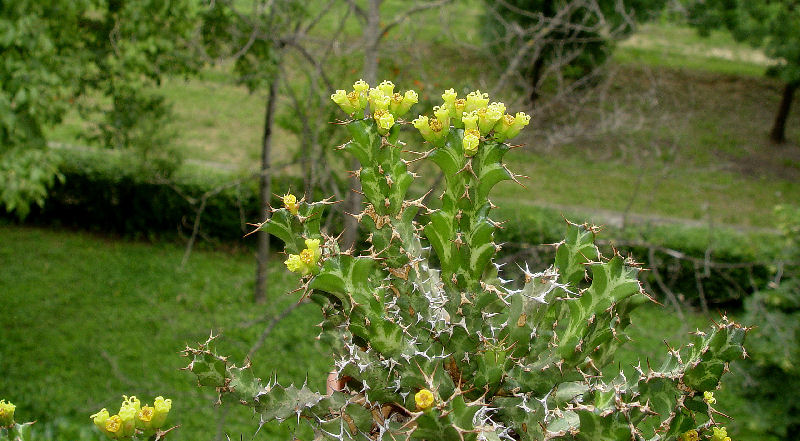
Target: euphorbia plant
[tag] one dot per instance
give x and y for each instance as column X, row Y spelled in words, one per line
column 456, row 352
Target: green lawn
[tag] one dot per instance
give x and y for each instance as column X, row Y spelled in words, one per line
column 86, row 319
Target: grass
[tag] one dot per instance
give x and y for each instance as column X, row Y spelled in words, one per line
column 678, row 129
column 86, row 319
column 672, row 45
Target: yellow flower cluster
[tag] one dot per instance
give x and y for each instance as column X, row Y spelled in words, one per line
column 423, row 399
column 384, row 103
column 6, row 413
column 475, row 115
column 306, row 262
column 708, row 397
column 132, row 416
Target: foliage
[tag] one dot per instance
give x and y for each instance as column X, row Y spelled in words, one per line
column 458, row 352
column 573, row 37
column 58, row 54
column 774, row 349
column 104, row 191
column 766, row 24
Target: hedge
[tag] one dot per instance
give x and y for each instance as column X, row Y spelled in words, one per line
column 103, row 192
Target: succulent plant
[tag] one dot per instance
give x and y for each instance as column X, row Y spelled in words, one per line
column 430, row 342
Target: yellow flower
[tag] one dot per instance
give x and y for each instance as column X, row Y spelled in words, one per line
column 690, row 436
column 161, row 408
column 6, row 413
column 385, row 121
column 294, row 264
column 290, row 203
column 488, row 117
column 113, row 426
column 306, row 262
column 720, row 434
column 144, row 417
column 99, row 419
column 510, row 126
column 708, row 397
column 423, row 399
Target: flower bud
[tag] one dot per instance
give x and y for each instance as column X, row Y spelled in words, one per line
column 387, row 87
column 449, row 98
column 361, row 87
column 6, row 413
column 340, row 98
column 457, row 111
column 290, row 203
column 520, row 120
column 161, row 408
column 690, row 436
column 471, row 142
column 131, row 402
column 470, row 121
column 421, row 123
column 99, row 419
column 442, row 115
column 379, row 103
column 708, row 397
column 423, row 399
column 409, row 99
column 476, row 100
column 127, row 415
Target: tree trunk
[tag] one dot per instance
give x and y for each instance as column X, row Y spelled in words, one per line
column 265, row 192
column 372, row 35
column 778, row 132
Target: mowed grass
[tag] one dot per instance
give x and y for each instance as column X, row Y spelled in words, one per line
column 86, row 319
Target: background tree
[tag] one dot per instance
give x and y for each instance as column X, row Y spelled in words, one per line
column 769, row 24
column 54, row 53
column 564, row 39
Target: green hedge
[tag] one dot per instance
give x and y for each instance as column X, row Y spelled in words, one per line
column 103, row 192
